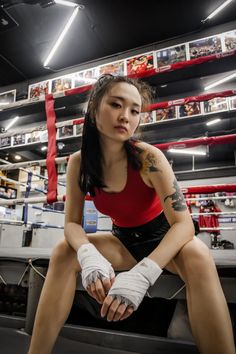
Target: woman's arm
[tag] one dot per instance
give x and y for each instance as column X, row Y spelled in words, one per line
column 162, row 178
column 97, row 273
column 74, row 233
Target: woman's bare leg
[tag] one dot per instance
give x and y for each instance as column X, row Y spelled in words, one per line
column 56, row 299
column 59, row 288
column 207, row 307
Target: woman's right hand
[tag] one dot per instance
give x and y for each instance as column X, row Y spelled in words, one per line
column 97, row 273
column 100, row 288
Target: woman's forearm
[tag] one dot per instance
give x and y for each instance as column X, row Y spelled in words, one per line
column 75, row 235
column 176, row 237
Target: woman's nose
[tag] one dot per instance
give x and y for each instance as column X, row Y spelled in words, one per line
column 124, row 116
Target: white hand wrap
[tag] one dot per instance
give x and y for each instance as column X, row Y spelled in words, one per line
column 94, row 266
column 130, row 287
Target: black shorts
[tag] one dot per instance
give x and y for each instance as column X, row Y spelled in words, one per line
column 142, row 240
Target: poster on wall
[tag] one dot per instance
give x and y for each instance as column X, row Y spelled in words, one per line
column 217, row 104
column 147, row 117
column 166, row 113
column 205, row 46
column 116, row 68
column 18, row 139
column 140, row 64
column 65, row 131
column 86, row 77
column 61, row 84
column 229, row 39
column 5, row 141
column 7, row 98
column 171, row 55
column 232, row 102
column 39, row 90
column 189, row 109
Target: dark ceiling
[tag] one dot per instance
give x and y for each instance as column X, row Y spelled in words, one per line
column 105, row 28
column 102, row 28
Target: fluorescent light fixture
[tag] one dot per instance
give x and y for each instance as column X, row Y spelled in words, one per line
column 187, row 152
column 17, row 157
column 4, row 103
column 221, row 81
column 12, row 122
column 65, row 3
column 44, row 148
column 62, row 35
column 220, row 8
column 214, row 121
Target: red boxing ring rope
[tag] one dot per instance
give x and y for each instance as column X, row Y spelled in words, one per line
column 213, row 140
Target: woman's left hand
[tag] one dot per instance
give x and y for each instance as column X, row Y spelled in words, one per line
column 114, row 309
column 129, row 289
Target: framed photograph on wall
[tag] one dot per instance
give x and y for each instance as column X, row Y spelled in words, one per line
column 217, row 104
column 205, row 46
column 5, row 141
column 33, row 137
column 140, row 64
column 61, row 84
column 7, row 192
column 147, row 117
column 65, row 131
column 189, row 109
column 232, row 102
column 229, row 39
column 7, row 98
column 39, row 90
column 166, row 113
column 171, row 55
column 79, row 129
column 86, row 77
column 116, row 68
column 18, row 139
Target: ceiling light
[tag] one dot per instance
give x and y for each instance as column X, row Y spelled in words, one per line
column 11, row 123
column 65, row 3
column 62, row 35
column 17, row 157
column 220, row 8
column 221, row 81
column 214, row 121
column 187, row 152
column 44, row 148
column 4, row 103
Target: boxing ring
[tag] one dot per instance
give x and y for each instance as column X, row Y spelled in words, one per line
column 27, row 266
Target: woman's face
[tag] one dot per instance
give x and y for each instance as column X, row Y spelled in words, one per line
column 118, row 114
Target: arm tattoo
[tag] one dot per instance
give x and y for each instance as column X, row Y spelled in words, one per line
column 150, row 163
column 178, row 202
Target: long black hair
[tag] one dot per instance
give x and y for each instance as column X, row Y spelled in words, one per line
column 91, row 174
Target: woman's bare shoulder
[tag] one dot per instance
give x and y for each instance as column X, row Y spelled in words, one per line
column 146, row 149
column 74, row 162
column 75, row 157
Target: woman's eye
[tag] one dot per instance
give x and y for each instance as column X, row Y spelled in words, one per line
column 115, row 105
column 135, row 112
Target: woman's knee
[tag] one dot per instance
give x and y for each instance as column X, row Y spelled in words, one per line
column 195, row 260
column 63, row 255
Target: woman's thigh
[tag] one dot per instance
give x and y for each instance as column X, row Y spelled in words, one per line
column 113, row 250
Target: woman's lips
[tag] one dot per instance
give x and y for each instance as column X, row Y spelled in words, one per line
column 121, row 129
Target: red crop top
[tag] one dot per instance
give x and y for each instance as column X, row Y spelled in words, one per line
column 135, row 205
